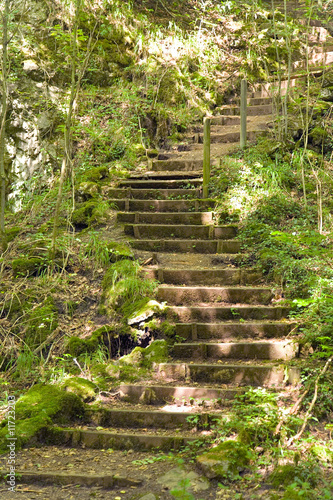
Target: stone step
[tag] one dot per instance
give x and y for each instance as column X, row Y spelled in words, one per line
column 216, row 138
column 161, row 183
column 148, row 418
column 191, row 218
column 212, row 314
column 180, row 295
column 188, row 246
column 164, row 175
column 274, row 350
column 251, row 110
column 179, row 395
column 180, row 164
column 235, row 330
column 66, row 478
column 203, row 276
column 152, row 194
column 131, row 205
column 241, row 374
column 116, row 439
column 157, row 231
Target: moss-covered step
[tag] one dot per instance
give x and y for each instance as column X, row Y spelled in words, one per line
column 204, row 276
column 257, row 101
column 222, row 137
column 105, row 481
column 270, row 350
column 131, row 418
column 224, row 313
column 222, row 120
column 188, row 246
column 175, row 394
column 191, row 218
column 176, row 164
column 156, row 231
column 117, row 439
column 256, row 375
column 131, row 205
column 161, row 183
column 251, row 110
column 152, row 194
column 178, row 295
column 234, row 330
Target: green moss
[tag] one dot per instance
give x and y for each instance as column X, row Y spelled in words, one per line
column 83, row 214
column 87, row 190
column 29, row 266
column 41, row 406
column 76, row 345
column 156, row 352
column 85, row 389
column 43, row 320
column 226, row 460
column 119, row 251
column 11, row 233
column 307, row 471
column 96, row 174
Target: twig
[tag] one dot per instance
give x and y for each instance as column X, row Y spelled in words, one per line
column 314, row 399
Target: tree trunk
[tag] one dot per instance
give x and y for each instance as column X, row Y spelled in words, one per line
column 4, row 103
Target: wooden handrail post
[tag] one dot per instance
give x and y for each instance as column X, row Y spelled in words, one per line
column 206, row 157
column 243, row 117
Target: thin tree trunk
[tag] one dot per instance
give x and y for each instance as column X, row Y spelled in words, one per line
column 4, row 104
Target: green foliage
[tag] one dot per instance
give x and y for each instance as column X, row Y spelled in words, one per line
column 123, row 287
column 43, row 320
column 29, row 266
column 77, row 346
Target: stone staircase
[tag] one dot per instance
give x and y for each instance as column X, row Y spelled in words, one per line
column 234, row 336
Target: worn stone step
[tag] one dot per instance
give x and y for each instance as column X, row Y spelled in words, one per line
column 131, row 205
column 180, row 395
column 211, row 314
column 177, row 164
column 188, row 246
column 191, row 218
column 147, row 419
column 270, row 350
column 180, row 295
column 156, row 231
column 105, row 481
column 251, row 110
column 152, row 194
column 257, row 375
column 204, row 276
column 235, row 330
column 161, row 183
column 222, row 137
column 164, row 175
column 116, row 439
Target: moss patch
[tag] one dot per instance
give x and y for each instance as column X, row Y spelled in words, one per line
column 43, row 320
column 82, row 387
column 226, row 460
column 29, row 266
column 41, row 406
column 119, row 251
column 156, row 352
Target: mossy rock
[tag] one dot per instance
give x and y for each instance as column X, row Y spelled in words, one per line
column 156, row 352
column 11, row 233
column 85, row 389
column 29, row 266
column 226, row 460
column 76, row 345
column 43, row 320
column 41, row 406
column 83, row 214
column 87, row 190
column 119, row 251
column 146, row 309
column 96, row 174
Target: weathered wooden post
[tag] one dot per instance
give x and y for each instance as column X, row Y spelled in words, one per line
column 243, row 117
column 206, row 158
